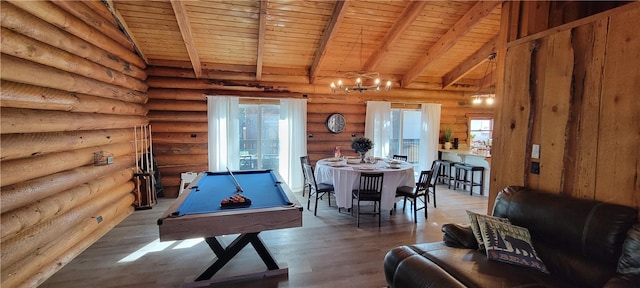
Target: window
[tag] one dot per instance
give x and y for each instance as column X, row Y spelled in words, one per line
column 405, row 133
column 480, row 132
column 259, row 144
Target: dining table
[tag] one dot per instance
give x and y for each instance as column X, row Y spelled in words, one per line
column 343, row 174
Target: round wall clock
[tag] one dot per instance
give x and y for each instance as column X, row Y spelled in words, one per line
column 336, row 123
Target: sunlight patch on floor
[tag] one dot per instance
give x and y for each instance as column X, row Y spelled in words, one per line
column 157, row 246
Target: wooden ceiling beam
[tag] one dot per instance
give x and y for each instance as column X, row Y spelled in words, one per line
column 261, row 32
column 458, row 31
column 123, row 24
column 180, row 11
column 329, row 33
column 470, row 63
column 410, row 13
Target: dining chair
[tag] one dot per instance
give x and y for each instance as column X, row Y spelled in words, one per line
column 369, row 189
column 315, row 188
column 420, row 192
column 304, row 160
column 401, row 157
column 433, row 180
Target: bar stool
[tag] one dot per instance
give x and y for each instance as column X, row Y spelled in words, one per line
column 462, row 171
column 445, row 175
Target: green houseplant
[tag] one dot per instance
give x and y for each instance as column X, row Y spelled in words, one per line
column 448, row 136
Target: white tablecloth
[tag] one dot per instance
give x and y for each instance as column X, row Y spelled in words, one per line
column 345, row 179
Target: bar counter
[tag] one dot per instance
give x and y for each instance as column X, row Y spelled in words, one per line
column 471, row 157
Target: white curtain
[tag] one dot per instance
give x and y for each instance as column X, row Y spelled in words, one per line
column 378, row 127
column 429, row 134
column 224, row 145
column 293, row 140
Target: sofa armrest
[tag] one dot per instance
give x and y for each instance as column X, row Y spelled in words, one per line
column 459, row 236
column 621, row 282
column 404, row 267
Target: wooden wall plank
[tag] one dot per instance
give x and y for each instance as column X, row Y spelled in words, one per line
column 554, row 116
column 618, row 157
column 509, row 152
column 582, row 141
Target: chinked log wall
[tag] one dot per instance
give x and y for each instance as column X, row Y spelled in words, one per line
column 178, row 114
column 71, row 86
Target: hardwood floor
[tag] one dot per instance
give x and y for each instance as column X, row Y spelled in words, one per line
column 327, row 251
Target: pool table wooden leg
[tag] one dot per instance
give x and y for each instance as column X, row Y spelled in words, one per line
column 226, row 254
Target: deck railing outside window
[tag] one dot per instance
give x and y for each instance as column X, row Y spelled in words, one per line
column 409, row 147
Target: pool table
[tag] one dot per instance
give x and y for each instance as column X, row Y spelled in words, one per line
column 197, row 213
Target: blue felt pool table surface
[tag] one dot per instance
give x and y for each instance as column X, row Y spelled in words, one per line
column 261, row 186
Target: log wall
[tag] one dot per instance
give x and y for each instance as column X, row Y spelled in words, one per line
column 72, row 85
column 572, row 90
column 177, row 112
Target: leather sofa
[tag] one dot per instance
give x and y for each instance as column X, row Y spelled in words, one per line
column 583, row 243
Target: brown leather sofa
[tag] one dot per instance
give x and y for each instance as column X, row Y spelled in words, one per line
column 583, row 243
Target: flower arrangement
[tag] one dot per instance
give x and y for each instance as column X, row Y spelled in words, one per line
column 361, row 144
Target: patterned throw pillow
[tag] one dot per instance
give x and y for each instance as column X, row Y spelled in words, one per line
column 629, row 261
column 509, row 243
column 473, row 220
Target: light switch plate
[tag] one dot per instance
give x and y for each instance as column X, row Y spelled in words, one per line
column 535, row 151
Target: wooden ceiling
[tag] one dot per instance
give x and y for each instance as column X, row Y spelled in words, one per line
column 417, row 44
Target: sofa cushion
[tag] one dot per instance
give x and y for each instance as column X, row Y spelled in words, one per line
column 584, row 246
column 473, row 220
column 510, row 244
column 473, row 269
column 595, row 230
column 575, row 269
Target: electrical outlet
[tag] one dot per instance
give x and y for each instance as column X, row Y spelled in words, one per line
column 535, row 167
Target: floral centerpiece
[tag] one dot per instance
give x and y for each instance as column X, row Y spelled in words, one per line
column 361, row 145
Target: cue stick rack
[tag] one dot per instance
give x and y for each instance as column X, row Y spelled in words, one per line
column 145, row 195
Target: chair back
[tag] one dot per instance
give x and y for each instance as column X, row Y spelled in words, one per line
column 305, row 160
column 370, row 183
column 309, row 176
column 433, row 177
column 423, row 181
column 401, row 157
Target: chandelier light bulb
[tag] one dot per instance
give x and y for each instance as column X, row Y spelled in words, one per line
column 339, row 83
column 388, row 85
column 477, row 100
column 490, row 100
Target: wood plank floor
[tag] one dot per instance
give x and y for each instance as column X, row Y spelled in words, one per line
column 327, row 251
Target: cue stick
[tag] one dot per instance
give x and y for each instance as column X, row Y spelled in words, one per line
column 238, row 188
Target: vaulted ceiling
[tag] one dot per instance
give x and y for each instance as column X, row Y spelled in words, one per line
column 416, row 44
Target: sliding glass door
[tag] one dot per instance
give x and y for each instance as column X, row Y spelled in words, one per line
column 405, row 133
column 259, row 142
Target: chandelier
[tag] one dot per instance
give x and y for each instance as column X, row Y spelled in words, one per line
column 489, row 95
column 362, row 80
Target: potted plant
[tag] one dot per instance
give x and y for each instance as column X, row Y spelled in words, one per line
column 361, row 145
column 448, row 136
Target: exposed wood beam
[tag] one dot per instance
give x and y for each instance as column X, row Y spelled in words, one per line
column 123, row 24
column 470, row 63
column 261, row 32
column 329, row 33
column 185, row 29
column 405, row 20
column 462, row 27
